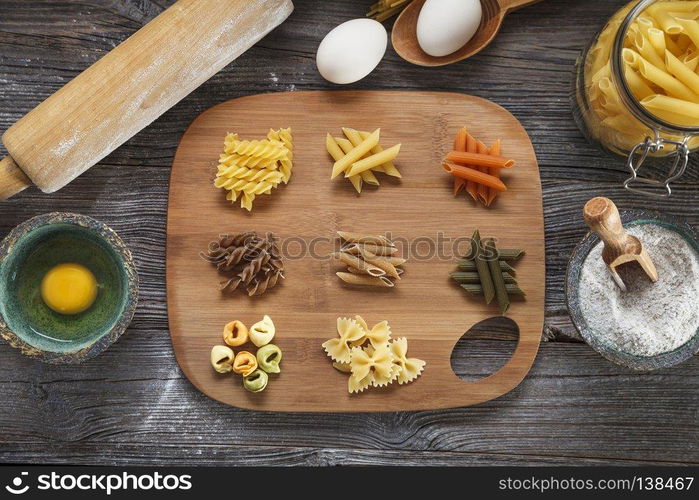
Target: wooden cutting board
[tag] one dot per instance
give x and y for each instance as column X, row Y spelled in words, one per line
column 426, row 307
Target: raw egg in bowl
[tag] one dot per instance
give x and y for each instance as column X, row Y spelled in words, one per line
column 68, row 287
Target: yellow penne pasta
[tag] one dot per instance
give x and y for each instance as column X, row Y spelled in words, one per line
column 664, row 80
column 690, row 59
column 388, row 168
column 357, row 183
column 664, row 19
column 346, row 146
column 647, row 51
column 369, row 177
column 639, row 88
column 355, row 137
column 689, row 27
column 673, row 47
column 374, row 160
column 644, row 24
column 656, row 38
column 355, row 153
column 682, row 72
column 333, row 148
column 677, row 6
column 673, row 110
column 630, row 57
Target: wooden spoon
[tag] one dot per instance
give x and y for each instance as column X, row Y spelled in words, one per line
column 404, row 36
column 620, row 247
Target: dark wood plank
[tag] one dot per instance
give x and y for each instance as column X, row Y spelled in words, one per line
column 132, row 404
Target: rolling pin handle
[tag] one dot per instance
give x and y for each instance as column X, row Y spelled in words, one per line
column 12, row 179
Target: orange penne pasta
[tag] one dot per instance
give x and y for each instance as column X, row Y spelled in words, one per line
column 474, row 175
column 460, row 145
column 471, row 147
column 479, row 160
column 482, row 188
column 495, row 172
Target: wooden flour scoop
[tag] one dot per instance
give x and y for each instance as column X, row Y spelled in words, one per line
column 130, row 87
column 620, row 247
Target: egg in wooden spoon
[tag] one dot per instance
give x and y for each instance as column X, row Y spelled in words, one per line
column 451, row 23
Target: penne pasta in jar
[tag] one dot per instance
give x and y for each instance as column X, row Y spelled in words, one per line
column 637, row 88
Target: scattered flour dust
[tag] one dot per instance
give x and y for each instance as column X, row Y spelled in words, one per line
column 650, row 318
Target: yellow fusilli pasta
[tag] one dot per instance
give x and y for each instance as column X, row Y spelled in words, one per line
column 247, row 169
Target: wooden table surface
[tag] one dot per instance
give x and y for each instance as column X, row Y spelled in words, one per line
column 132, row 405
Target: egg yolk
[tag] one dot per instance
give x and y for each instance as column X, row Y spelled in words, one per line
column 69, row 288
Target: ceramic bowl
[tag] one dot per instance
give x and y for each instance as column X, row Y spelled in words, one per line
column 33, row 248
column 633, row 361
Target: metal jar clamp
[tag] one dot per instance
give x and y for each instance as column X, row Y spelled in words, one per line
column 651, row 146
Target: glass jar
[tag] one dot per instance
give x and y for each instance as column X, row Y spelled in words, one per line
column 612, row 96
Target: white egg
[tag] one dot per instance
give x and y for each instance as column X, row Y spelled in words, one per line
column 444, row 26
column 351, row 50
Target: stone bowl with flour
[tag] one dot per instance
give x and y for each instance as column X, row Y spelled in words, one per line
column 652, row 325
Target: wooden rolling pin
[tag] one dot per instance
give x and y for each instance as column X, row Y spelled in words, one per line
column 131, row 86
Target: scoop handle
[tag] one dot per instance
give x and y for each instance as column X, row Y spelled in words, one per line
column 12, row 179
column 510, row 5
column 602, row 216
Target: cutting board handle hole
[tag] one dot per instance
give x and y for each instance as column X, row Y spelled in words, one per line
column 484, row 349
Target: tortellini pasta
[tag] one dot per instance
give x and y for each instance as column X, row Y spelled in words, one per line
column 256, row 381
column 269, row 357
column 379, row 363
column 235, row 333
column 262, row 332
column 244, row 363
column 254, row 368
column 222, row 358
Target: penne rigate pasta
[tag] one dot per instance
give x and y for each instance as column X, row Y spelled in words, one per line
column 357, row 249
column 346, row 146
column 471, row 147
column 474, row 175
column 350, row 237
column 690, row 27
column 364, row 280
column 460, row 145
column 495, row 172
column 369, row 177
column 333, row 148
column 377, row 261
column 673, row 110
column 482, row 195
column 362, row 155
column 639, row 88
column 359, row 264
column 355, row 153
column 374, row 161
column 680, row 71
column 380, row 250
column 387, row 168
column 369, row 258
column 479, row 160
column 667, row 82
column 667, row 22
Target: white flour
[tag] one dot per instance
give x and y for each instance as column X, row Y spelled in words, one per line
column 650, row 318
